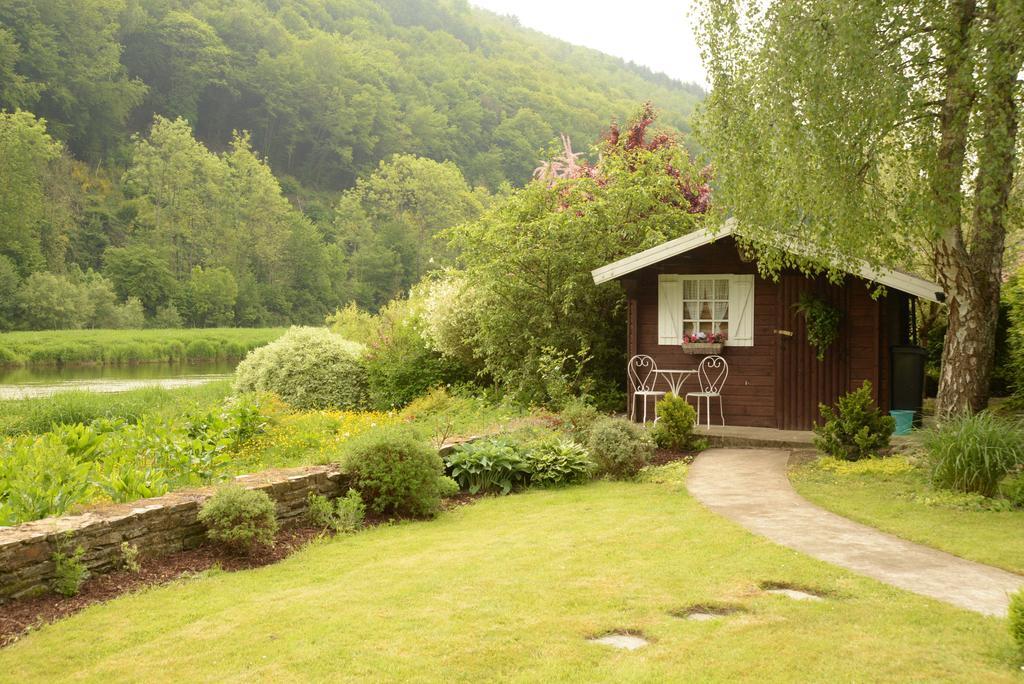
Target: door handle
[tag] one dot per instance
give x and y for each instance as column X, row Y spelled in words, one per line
column 787, row 333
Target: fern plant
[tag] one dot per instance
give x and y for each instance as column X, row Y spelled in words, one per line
column 822, row 321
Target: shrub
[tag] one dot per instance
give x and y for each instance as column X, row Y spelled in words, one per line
column 308, row 368
column 1015, row 619
column 69, row 572
column 447, row 487
column 856, row 429
column 577, row 418
column 674, row 428
column 487, row 465
column 619, row 447
column 241, row 519
column 345, row 514
column 553, row 463
column 1013, row 489
column 395, row 472
column 972, row 453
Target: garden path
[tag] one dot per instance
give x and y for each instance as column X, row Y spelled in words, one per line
column 750, row 486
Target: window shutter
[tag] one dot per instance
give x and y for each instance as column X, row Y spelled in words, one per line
column 670, row 309
column 741, row 311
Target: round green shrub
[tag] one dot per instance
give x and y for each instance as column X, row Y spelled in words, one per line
column 447, row 487
column 395, row 472
column 241, row 519
column 577, row 418
column 674, row 428
column 855, row 429
column 308, row 368
column 620, row 448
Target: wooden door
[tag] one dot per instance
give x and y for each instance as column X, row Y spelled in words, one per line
column 802, row 382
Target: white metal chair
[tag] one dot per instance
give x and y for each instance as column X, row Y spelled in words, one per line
column 643, row 373
column 711, row 374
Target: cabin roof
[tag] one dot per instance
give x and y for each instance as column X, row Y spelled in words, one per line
column 897, row 280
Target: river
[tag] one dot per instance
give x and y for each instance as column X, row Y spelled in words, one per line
column 27, row 383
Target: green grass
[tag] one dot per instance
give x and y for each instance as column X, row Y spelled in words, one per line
column 34, row 416
column 112, row 347
column 509, row 589
column 894, row 495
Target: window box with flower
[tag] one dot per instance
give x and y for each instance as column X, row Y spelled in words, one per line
column 703, row 343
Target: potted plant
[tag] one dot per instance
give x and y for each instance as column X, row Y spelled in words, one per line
column 703, row 343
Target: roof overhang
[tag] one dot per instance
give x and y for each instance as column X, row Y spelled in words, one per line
column 904, row 282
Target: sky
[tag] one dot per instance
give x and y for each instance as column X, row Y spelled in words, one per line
column 658, row 35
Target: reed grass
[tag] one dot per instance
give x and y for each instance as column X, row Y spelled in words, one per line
column 122, row 347
column 973, row 453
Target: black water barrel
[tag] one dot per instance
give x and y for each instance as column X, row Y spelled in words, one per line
column 906, row 363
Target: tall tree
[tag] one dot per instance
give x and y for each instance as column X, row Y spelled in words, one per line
column 884, row 130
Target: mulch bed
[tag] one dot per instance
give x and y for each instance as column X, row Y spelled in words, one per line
column 21, row 616
column 665, row 456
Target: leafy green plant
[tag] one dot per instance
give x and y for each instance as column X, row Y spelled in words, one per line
column 674, row 428
column 395, row 471
column 344, row 514
column 447, row 487
column 130, row 557
column 973, row 453
column 1012, row 488
column 308, row 368
column 619, row 447
column 577, row 418
column 39, row 478
column 487, row 465
column 241, row 519
column 1015, row 619
column 69, row 571
column 822, row 321
column 856, row 429
column 557, row 462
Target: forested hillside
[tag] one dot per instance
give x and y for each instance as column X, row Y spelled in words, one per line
column 234, row 161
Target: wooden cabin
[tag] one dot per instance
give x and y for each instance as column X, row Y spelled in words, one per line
column 701, row 282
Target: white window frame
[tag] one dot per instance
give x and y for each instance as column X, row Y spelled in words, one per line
column 741, row 307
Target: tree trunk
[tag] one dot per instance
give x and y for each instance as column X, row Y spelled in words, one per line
column 969, row 349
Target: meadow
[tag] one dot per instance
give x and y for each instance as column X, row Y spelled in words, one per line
column 116, row 347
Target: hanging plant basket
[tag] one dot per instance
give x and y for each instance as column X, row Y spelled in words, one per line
column 702, row 348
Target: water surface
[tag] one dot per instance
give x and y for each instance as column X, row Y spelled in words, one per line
column 27, row 383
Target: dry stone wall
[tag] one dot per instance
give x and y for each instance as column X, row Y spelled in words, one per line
column 156, row 526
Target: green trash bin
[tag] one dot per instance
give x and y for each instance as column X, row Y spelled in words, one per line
column 904, row 422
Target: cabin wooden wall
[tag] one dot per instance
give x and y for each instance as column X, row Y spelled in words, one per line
column 778, row 382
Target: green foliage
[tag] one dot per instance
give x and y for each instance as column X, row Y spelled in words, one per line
column 674, row 428
column 855, row 429
column 400, row 364
column 130, row 557
column 557, row 462
column 447, row 487
column 1015, row 619
column 69, row 571
column 488, row 466
column 619, row 447
column 972, row 453
column 1013, row 293
column 577, row 418
column 208, row 299
column 822, row 322
column 309, row 368
column 1012, row 488
column 343, row 515
column 395, row 472
column 241, row 519
column 40, row 477
column 109, row 347
column 539, row 323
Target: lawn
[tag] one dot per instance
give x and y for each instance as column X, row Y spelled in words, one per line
column 510, row 588
column 894, row 495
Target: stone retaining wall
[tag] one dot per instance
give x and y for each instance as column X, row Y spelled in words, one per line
column 156, row 526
